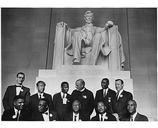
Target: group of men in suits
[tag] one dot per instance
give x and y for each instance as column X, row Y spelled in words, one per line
column 108, row 104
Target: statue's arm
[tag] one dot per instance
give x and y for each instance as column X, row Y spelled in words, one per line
column 105, row 49
column 107, row 25
column 61, row 24
column 99, row 29
column 68, row 31
column 122, row 56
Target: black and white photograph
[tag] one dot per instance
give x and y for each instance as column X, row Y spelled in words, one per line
column 78, row 64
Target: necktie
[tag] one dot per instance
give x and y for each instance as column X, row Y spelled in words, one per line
column 104, row 93
column 63, row 95
column 18, row 115
column 75, row 118
column 131, row 119
column 101, row 119
column 40, row 96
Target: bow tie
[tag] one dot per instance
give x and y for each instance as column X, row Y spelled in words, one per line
column 18, row 86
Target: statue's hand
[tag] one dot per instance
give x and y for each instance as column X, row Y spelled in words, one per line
column 122, row 66
column 109, row 24
column 61, row 24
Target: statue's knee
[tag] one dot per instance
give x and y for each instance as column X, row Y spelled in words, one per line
column 97, row 35
column 76, row 33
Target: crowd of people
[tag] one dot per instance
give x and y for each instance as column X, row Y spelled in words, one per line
column 109, row 105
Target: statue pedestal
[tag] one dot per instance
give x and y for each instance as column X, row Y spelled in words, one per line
column 92, row 75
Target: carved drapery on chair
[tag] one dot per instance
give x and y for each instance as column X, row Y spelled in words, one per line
column 106, row 50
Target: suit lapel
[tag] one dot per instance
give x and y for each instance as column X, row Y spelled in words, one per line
column 121, row 95
column 44, row 94
column 101, row 93
column 14, row 90
column 71, row 116
column 39, row 117
column 36, row 96
column 42, row 117
column 97, row 118
column 12, row 113
column 22, row 91
column 108, row 91
column 137, row 117
column 36, row 100
column 80, row 117
column 60, row 98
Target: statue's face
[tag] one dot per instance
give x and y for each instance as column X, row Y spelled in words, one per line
column 109, row 24
column 89, row 18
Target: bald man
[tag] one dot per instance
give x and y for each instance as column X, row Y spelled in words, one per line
column 85, row 96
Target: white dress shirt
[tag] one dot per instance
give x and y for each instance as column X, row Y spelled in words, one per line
column 18, row 89
column 40, row 94
column 63, row 96
column 103, row 116
column 77, row 116
column 17, row 112
column 105, row 91
column 133, row 116
column 46, row 115
column 119, row 94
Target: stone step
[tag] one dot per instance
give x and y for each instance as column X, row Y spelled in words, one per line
column 84, row 70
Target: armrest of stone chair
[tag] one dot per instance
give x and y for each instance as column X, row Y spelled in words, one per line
column 151, row 118
column 106, row 50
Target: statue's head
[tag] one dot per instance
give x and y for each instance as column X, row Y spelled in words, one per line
column 109, row 24
column 88, row 17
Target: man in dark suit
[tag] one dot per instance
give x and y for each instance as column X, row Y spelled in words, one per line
column 102, row 114
column 34, row 99
column 85, row 96
column 75, row 114
column 133, row 114
column 18, row 112
column 17, row 89
column 106, row 95
column 44, row 113
column 122, row 98
column 61, row 100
